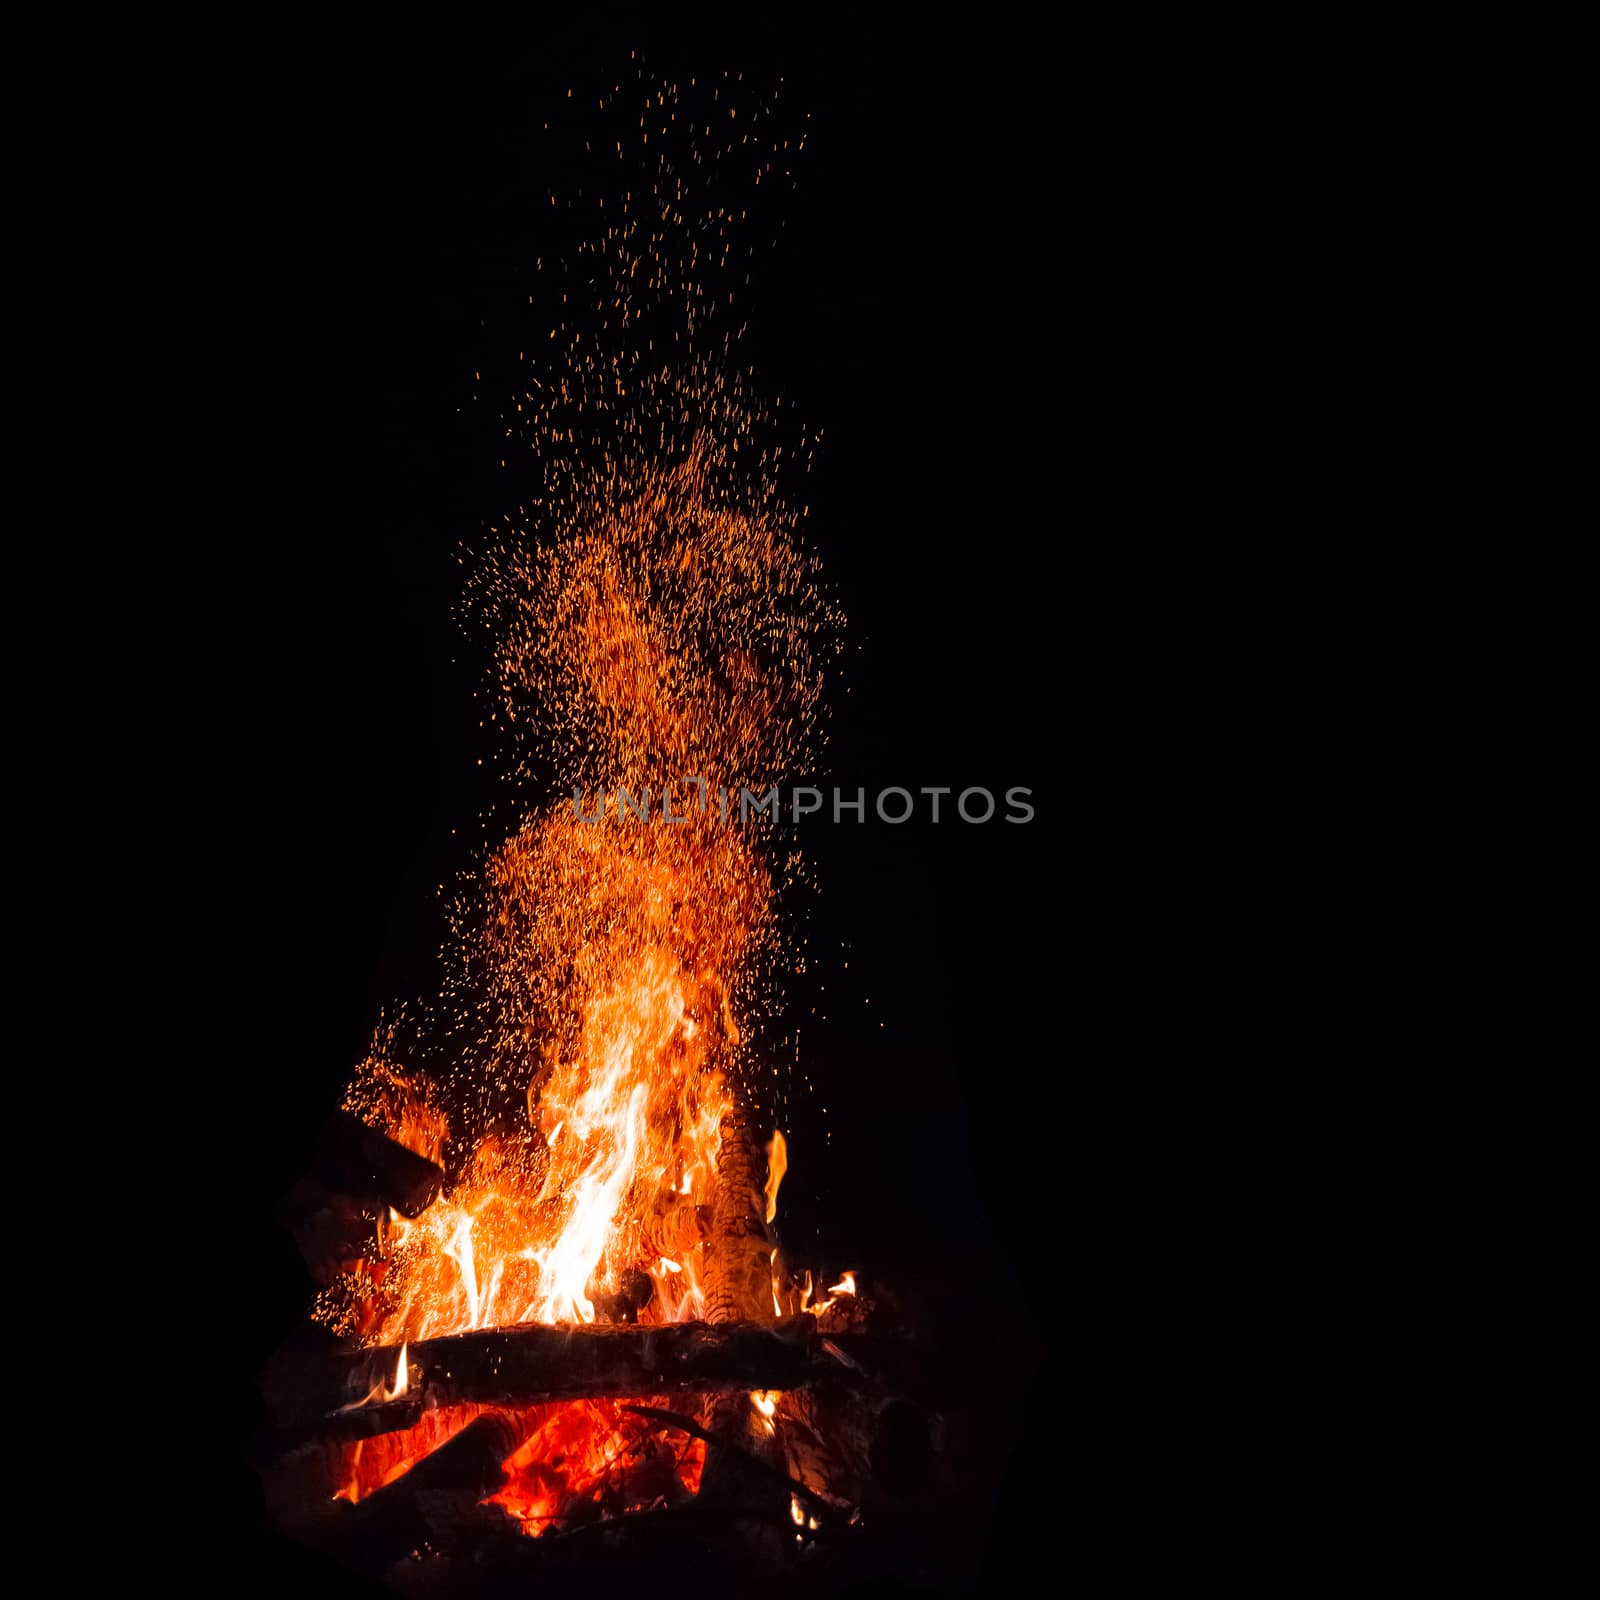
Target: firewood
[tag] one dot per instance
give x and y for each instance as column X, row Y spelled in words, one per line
column 739, row 1257
column 739, row 1251
column 332, row 1230
column 765, row 1469
column 338, row 1427
column 440, row 1496
column 360, row 1162
column 469, row 1461
column 674, row 1225
column 532, row 1363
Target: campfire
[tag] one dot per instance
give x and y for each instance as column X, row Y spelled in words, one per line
column 555, row 1272
column 555, row 1302
column 593, row 1320
column 707, row 1384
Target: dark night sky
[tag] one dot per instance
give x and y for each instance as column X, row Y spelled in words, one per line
column 938, row 305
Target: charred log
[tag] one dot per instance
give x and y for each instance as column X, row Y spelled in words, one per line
column 635, row 1292
column 339, row 1427
column 837, row 1440
column 333, row 1231
column 531, row 1364
column 373, row 1170
column 801, row 1490
column 441, row 1495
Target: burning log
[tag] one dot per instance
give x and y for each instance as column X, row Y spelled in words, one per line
column 358, row 1174
column 835, row 1440
column 532, row 1363
column 469, row 1463
column 738, row 1251
column 440, row 1496
column 795, row 1486
column 339, row 1427
column 739, row 1256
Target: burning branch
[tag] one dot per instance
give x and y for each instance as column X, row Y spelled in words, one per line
column 533, row 1364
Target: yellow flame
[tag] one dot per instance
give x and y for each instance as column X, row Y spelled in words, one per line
column 812, row 1309
column 380, row 1391
column 776, row 1167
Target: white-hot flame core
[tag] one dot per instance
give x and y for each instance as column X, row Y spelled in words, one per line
column 567, row 1266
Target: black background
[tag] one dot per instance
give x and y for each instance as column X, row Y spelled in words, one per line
column 953, row 302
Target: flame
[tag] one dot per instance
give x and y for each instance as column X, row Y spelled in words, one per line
column 766, row 1404
column 810, row 1307
column 381, row 1392
column 777, row 1165
column 846, row 1285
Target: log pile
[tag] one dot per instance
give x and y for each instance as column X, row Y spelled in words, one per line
column 815, row 1441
